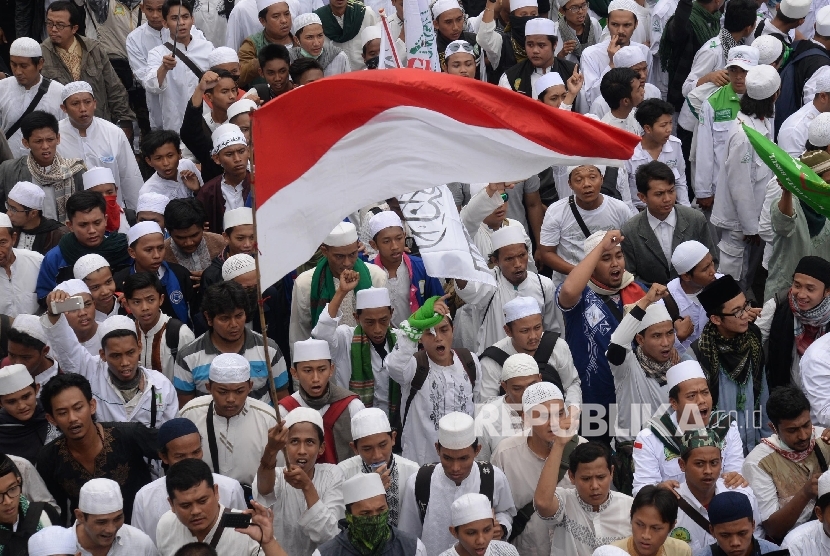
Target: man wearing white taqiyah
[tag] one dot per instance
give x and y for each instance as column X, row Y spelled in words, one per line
column 30, row 326
column 792, row 137
column 811, row 538
column 37, row 232
column 512, row 280
column 471, row 509
column 625, row 57
column 89, row 335
column 18, row 274
column 102, row 175
column 372, row 441
column 53, row 541
column 99, row 523
column 91, row 264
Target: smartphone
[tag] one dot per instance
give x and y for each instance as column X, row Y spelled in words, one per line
column 236, row 520
column 70, row 304
column 376, row 466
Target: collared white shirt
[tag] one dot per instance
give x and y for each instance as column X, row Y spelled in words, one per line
column 129, row 541
column 792, row 137
column 629, row 123
column 672, row 156
column 43, row 377
column 170, row 188
column 579, row 530
column 815, row 379
column 172, row 534
column 140, row 42
column 495, row 548
column 600, row 106
column 168, row 363
column 596, row 63
column 664, row 230
column 232, row 195
column 17, row 292
column 101, row 317
column 689, row 306
column 243, row 22
column 15, row 99
column 808, row 539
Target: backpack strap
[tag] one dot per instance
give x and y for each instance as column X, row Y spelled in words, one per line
column 331, row 416
column 214, row 542
column 695, row 516
column 488, row 480
column 521, row 520
column 423, row 482
column 212, row 446
column 28, row 526
column 609, row 183
column 542, row 356
column 417, row 383
column 171, row 336
column 496, row 354
column 486, row 309
column 469, row 364
column 579, row 220
column 5, row 326
column 197, row 71
column 42, row 89
column 822, row 462
column 154, row 408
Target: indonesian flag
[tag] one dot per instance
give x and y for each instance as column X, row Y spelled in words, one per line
column 329, row 148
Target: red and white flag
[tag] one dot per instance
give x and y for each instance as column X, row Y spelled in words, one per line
column 393, row 132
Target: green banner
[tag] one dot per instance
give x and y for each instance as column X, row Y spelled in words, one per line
column 796, row 177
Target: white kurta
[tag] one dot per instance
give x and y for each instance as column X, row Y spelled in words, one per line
column 596, row 63
column 579, row 530
column 242, row 23
column 600, row 106
column 301, row 529
column 207, row 18
column 672, row 156
column 496, row 421
column 495, row 548
column 129, row 541
column 105, row 145
column 808, row 539
column 172, row 534
column 710, row 146
column 169, row 188
column 354, row 47
column 34, row 488
column 15, row 99
column 434, row 531
column 17, row 292
column 151, row 502
column 140, row 42
column 168, row 362
column 792, row 137
column 707, row 59
column 815, row 379
column 240, row 440
column 689, row 306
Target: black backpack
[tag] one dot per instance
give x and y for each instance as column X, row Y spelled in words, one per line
column 790, row 98
column 424, row 477
column 542, row 356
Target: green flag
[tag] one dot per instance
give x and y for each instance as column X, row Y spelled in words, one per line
column 796, row 177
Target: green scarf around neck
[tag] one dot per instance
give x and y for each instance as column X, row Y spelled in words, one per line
column 362, row 381
column 705, row 25
column 322, row 285
column 113, row 248
column 352, row 21
column 368, row 534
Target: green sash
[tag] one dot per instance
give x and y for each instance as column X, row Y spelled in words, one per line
column 362, row 381
column 671, row 437
column 352, row 21
column 322, row 286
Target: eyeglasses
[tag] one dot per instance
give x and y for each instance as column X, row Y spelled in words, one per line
column 11, row 210
column 12, row 493
column 57, row 25
column 739, row 313
column 456, row 46
column 577, row 9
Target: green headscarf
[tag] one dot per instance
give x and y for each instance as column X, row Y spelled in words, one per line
column 368, row 534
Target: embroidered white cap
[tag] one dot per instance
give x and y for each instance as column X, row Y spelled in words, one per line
column 229, row 368
column 311, row 350
column 5, row 221
column 818, row 132
column 116, row 322
column 152, row 202
column 226, row 135
column 371, row 298
column 237, row 265
column 369, row 421
column 687, row 255
column 142, row 229
column 459, row 46
column 655, row 313
column 541, row 26
column 442, row 6
column 519, row 4
column 762, row 82
column 625, row 5
column 28, row 194
column 304, row 20
column 769, row 49
column 53, row 541
column 470, row 507
column 241, row 106
column 26, row 47
column 742, row 56
column 88, row 264
column 30, row 325
column 362, row 487
column 14, row 378
column 369, row 33
column 222, row 55
column 593, row 240
column 550, row 79
column 508, row 235
column 683, row 371
column 823, row 22
column 519, row 364
column 456, row 431
column 540, row 392
column 519, row 308
column 343, row 234
column 100, row 496
column 74, row 88
column 824, row 484
column 628, row 56
column 98, row 175
column 238, row 217
column 73, row 287
column 382, row 220
column 303, row 415
column 795, row 9
column 822, row 81
column 264, row 4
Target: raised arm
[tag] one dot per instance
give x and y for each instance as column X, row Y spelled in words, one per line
column 571, row 290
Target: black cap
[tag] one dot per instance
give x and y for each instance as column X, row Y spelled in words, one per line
column 719, row 292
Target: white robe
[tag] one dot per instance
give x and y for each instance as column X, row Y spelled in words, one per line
column 140, row 42
column 495, row 548
column 17, row 292
column 129, row 541
column 579, row 530
column 242, row 23
column 808, row 539
column 172, row 534
column 15, row 99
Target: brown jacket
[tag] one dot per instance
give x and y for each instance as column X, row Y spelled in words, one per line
column 109, row 92
column 215, row 244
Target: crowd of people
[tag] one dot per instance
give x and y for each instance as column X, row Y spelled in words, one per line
column 642, row 373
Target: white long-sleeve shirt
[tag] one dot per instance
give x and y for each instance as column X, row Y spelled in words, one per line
column 672, row 156
column 140, row 42
column 169, row 188
column 596, row 63
column 15, row 99
column 808, row 539
column 660, row 15
column 815, row 379
column 792, row 137
column 710, row 147
column 104, row 145
column 168, row 362
column 708, row 59
column 242, row 23
column 17, row 292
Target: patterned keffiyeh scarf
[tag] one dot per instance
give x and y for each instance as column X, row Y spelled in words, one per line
column 566, row 33
column 198, row 260
column 738, row 357
column 60, row 176
column 72, row 57
column 783, row 450
column 652, row 368
column 362, row 381
column 809, row 324
column 393, row 498
column 727, row 43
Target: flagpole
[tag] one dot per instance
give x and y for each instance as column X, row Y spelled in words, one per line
column 389, row 40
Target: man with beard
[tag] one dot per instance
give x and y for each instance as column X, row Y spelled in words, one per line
column 448, row 18
column 238, row 225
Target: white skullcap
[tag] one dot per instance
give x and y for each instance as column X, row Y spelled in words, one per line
column 28, row 194
column 229, row 368
column 30, row 325
column 592, row 241
column 608, row 550
column 818, row 132
column 372, row 298
column 822, row 81
column 599, row 167
column 53, row 541
column 687, row 255
column 241, row 106
column 795, row 9
column 519, row 364
column 519, row 4
column 823, row 484
column 762, row 82
column 550, row 79
column 97, row 176
column 238, row 217
column 519, row 308
column 628, row 56
column 769, row 49
column 823, row 22
column 100, row 496
column 626, row 5
column 470, row 507
column 745, row 57
column 264, row 4
column 152, row 202
column 362, row 487
column 304, row 20
column 456, row 431
column 538, row 393
column 73, row 287
column 142, row 229
column 382, row 220
column 222, row 55
column 237, row 265
column 540, row 26
column 442, row 6
column 116, row 322
column 683, row 371
column 88, row 264
column 508, row 235
column 14, row 378
column 311, row 350
column 303, row 415
column 225, row 136
column 26, row 47
column 343, row 234
column 369, row 33
column 459, row 46
column 369, row 421
column 5, row 221
column 74, row 88
column 655, row 313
